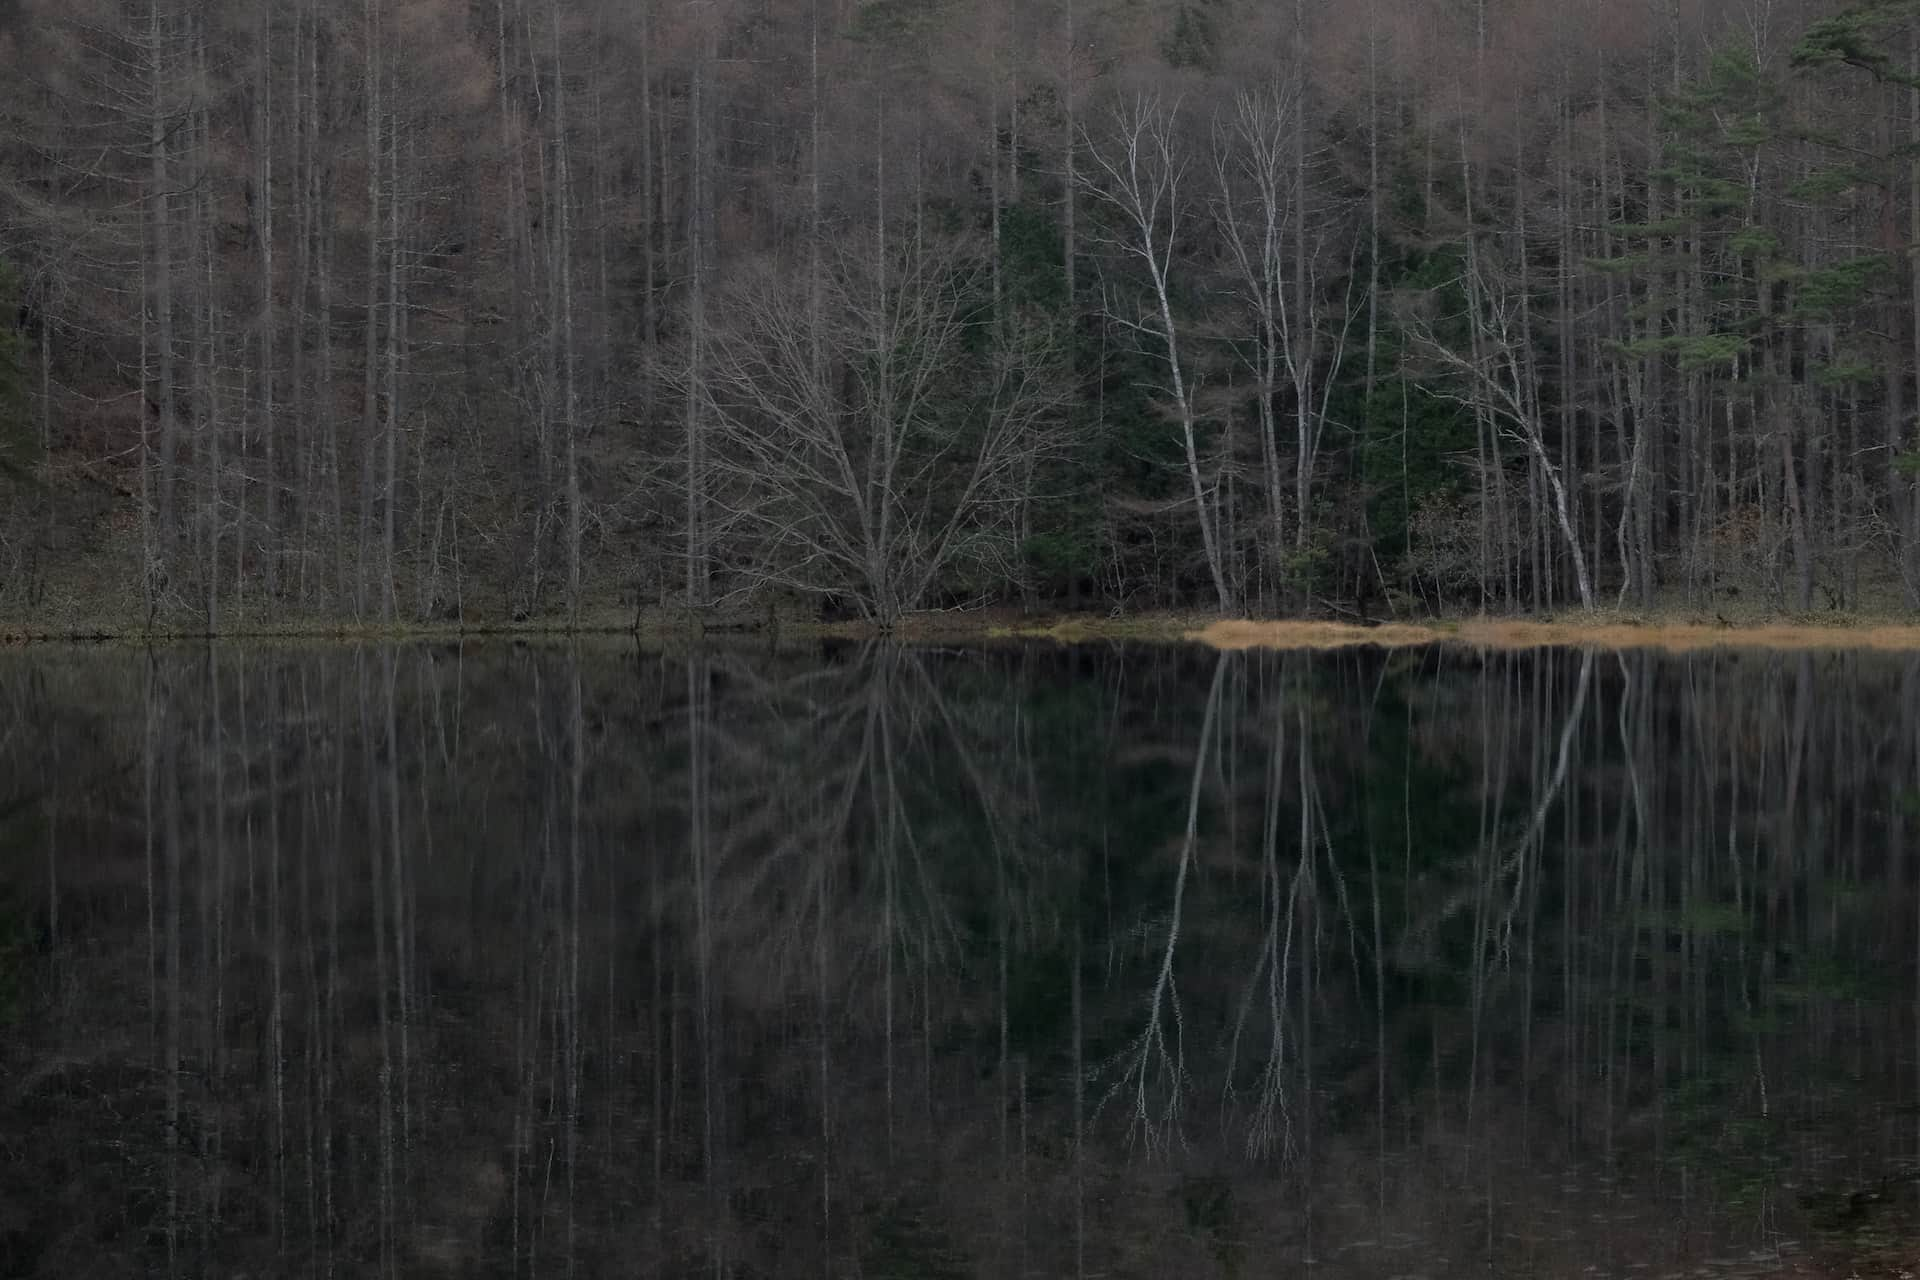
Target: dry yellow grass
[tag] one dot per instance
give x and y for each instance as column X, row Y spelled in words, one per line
column 1229, row 633
column 658, row 628
column 1497, row 633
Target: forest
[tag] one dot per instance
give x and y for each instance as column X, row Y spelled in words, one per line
column 450, row 311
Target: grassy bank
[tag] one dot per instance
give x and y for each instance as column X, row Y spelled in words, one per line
column 1673, row 632
column 1602, row 632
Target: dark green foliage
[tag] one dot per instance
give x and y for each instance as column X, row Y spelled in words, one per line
column 907, row 1242
column 1705, row 351
column 1191, row 41
column 1858, row 37
column 19, row 450
column 1056, row 556
column 1759, row 242
column 1212, row 1218
column 14, row 953
column 1411, row 452
column 1844, row 372
column 1031, row 265
column 1410, row 440
column 1825, row 292
column 1061, row 547
column 1725, row 129
column 890, row 21
column 1827, row 184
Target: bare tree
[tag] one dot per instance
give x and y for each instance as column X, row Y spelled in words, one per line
column 1149, row 1075
column 1140, row 173
column 853, row 453
column 1495, row 373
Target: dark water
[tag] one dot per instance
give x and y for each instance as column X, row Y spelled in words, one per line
column 1099, row 962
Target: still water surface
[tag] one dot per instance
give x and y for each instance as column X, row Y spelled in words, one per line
column 1001, row 962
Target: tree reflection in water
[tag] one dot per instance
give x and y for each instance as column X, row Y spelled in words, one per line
column 885, row 961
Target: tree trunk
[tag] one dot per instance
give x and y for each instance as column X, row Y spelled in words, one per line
column 263, row 139
column 158, row 182
column 1796, row 525
column 1902, row 432
column 389, row 603
column 698, row 253
column 563, row 264
column 370, row 372
column 1144, row 174
column 304, row 465
column 1301, row 340
column 203, row 364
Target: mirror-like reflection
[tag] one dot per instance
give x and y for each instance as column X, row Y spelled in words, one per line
column 998, row 962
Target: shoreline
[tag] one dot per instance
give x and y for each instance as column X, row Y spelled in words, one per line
column 1600, row 632
column 1674, row 633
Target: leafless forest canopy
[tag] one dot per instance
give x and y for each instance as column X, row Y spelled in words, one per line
column 432, row 309
column 893, row 962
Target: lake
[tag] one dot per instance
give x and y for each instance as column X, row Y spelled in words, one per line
column 1000, row 961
